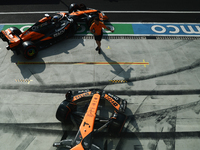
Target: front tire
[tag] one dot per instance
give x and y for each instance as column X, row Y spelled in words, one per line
column 29, row 50
column 64, row 110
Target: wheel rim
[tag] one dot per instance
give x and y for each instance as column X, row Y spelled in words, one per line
column 31, row 51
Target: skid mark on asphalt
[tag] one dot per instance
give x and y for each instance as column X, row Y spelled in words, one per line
column 117, row 68
column 128, row 124
column 26, row 142
column 3, row 58
column 37, row 77
column 103, row 83
column 195, row 106
column 158, row 115
column 8, row 114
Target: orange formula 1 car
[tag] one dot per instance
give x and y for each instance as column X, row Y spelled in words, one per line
column 68, row 111
column 49, row 30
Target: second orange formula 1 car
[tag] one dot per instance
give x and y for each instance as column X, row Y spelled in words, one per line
column 49, row 30
column 83, row 138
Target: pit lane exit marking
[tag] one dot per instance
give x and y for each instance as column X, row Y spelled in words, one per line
column 23, row 80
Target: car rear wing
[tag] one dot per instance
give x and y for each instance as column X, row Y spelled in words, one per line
column 11, row 38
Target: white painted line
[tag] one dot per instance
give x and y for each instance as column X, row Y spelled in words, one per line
column 156, row 12
column 116, row 12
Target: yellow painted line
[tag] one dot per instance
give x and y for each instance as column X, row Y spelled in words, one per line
column 144, row 62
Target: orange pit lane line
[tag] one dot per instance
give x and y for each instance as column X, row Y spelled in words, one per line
column 86, row 63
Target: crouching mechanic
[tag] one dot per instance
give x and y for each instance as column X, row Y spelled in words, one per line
column 96, row 29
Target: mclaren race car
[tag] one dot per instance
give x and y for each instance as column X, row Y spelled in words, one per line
column 68, row 111
column 49, row 30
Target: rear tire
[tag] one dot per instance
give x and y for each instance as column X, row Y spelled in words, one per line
column 117, row 124
column 15, row 30
column 29, row 50
column 73, row 7
column 64, row 110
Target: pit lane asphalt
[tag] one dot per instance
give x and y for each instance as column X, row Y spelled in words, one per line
column 164, row 95
column 107, row 5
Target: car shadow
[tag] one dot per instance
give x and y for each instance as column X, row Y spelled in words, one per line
column 38, row 65
column 127, row 137
column 118, row 70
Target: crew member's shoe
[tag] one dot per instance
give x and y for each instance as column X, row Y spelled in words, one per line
column 99, row 50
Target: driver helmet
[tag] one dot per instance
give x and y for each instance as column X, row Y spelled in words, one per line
column 55, row 18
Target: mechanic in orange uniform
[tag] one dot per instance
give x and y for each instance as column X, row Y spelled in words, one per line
column 96, row 29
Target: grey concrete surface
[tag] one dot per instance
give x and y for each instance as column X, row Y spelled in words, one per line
column 163, row 97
